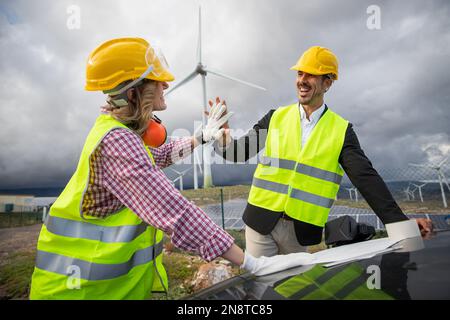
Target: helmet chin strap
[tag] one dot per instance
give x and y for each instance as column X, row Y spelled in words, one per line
column 132, row 83
column 117, row 103
column 120, row 100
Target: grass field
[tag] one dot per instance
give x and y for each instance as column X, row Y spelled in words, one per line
column 212, row 195
column 18, row 219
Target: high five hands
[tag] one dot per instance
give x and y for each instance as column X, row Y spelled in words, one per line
column 217, row 124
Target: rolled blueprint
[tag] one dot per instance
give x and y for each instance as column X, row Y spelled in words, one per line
column 403, row 230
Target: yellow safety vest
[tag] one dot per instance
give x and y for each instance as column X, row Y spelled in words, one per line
column 301, row 181
column 320, row 283
column 83, row 257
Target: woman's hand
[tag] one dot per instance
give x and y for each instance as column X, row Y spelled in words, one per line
column 225, row 138
column 267, row 265
column 217, row 121
column 217, row 125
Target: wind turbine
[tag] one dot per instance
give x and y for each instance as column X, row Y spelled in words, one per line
column 203, row 71
column 350, row 191
column 409, row 194
column 440, row 175
column 356, row 194
column 180, row 176
column 419, row 187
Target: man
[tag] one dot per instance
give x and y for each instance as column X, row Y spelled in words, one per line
column 307, row 149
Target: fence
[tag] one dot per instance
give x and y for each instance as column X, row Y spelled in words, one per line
column 407, row 184
column 19, row 219
column 232, row 220
column 410, row 184
column 420, row 192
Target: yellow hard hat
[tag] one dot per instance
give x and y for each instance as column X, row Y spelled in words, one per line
column 318, row 61
column 123, row 59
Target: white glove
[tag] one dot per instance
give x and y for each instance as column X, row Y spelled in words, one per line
column 212, row 130
column 266, row 265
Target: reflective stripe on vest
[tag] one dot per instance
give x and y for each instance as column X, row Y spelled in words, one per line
column 278, row 163
column 269, row 185
column 85, row 230
column 311, row 198
column 300, row 180
column 295, row 193
column 319, row 173
column 95, row 271
column 301, row 168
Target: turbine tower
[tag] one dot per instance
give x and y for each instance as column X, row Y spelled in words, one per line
column 356, row 194
column 203, row 71
column 419, row 187
column 350, row 191
column 409, row 193
column 440, row 174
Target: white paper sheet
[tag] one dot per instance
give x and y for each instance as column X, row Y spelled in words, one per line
column 353, row 251
column 403, row 230
column 331, row 264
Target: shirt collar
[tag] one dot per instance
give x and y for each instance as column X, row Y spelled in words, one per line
column 315, row 116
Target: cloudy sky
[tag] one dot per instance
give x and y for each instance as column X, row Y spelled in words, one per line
column 394, row 81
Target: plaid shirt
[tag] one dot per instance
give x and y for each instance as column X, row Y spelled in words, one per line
column 122, row 174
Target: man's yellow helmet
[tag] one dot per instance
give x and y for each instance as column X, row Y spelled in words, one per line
column 318, row 61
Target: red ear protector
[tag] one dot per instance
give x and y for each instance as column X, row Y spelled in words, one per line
column 156, row 133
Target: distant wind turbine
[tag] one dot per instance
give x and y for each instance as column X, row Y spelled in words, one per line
column 180, row 176
column 419, row 187
column 440, row 174
column 350, row 192
column 203, row 71
column 409, row 193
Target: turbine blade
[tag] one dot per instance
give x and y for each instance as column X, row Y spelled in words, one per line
column 220, row 74
column 418, row 165
column 186, row 170
column 182, row 82
column 442, row 162
column 199, row 43
column 444, row 178
column 177, row 172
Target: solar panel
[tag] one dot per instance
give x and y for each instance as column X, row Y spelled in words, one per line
column 230, row 222
column 440, row 222
column 233, row 210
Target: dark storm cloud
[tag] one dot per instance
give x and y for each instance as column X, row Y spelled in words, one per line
column 393, row 82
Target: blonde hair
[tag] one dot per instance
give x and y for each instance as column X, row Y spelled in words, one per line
column 136, row 115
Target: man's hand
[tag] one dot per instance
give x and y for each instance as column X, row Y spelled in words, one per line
column 225, row 137
column 266, row 265
column 225, row 111
column 217, row 121
column 425, row 226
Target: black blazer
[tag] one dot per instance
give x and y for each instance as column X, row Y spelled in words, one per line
column 352, row 159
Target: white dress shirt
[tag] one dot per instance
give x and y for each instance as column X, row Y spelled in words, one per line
column 308, row 125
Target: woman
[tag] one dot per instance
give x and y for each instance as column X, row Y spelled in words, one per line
column 103, row 236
